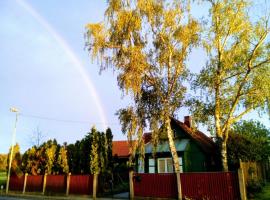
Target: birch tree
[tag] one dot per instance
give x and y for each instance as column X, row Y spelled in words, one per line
column 235, row 80
column 147, row 43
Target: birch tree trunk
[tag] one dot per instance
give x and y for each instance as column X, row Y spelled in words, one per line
column 174, row 155
column 224, row 155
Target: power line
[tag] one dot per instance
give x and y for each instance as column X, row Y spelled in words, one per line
column 63, row 120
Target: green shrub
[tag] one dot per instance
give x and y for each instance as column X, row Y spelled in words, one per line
column 254, row 186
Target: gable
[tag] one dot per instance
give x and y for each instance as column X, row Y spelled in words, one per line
column 183, row 131
column 163, row 146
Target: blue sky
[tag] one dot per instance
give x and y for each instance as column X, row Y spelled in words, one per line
column 46, row 72
column 39, row 77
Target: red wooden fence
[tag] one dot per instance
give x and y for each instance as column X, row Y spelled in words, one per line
column 56, row 183
column 16, row 183
column 81, row 184
column 34, row 183
column 155, row 185
column 210, row 186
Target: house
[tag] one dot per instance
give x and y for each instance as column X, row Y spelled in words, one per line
column 120, row 153
column 120, row 149
column 196, row 151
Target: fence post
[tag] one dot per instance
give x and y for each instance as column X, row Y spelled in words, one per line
column 68, row 183
column 25, row 182
column 95, row 186
column 131, row 186
column 242, row 184
column 44, row 183
column 179, row 189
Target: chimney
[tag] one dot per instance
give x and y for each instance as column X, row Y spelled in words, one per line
column 187, row 121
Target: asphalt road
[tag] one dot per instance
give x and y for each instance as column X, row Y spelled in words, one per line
column 15, row 196
column 11, row 198
column 50, row 198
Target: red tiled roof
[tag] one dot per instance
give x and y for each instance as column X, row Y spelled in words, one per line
column 206, row 143
column 120, row 148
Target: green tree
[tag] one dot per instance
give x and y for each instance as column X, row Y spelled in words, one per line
column 29, row 161
column 235, row 79
column 50, row 152
column 109, row 159
column 48, row 157
column 15, row 161
column 248, row 141
column 74, row 155
column 85, row 150
column 62, row 160
column 94, row 155
column 3, row 162
column 147, row 42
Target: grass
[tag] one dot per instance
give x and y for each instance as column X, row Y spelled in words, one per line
column 265, row 194
column 3, row 177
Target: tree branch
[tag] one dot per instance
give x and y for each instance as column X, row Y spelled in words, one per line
column 238, row 117
column 244, row 80
column 252, row 68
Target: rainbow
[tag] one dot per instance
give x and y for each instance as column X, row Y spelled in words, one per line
column 71, row 54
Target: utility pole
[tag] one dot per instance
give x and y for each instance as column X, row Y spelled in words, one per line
column 15, row 110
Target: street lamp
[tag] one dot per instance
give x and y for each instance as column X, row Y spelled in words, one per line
column 15, row 110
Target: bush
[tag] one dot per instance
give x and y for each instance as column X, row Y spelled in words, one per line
column 254, row 186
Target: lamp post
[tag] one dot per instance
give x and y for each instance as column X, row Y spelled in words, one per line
column 15, row 110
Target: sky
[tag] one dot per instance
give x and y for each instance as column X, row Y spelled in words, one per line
column 46, row 72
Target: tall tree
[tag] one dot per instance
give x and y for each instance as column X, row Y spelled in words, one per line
column 109, row 138
column 62, row 160
column 30, row 162
column 95, row 154
column 15, row 161
column 85, row 149
column 3, row 162
column 248, row 141
column 74, row 155
column 51, row 148
column 235, row 79
column 147, row 42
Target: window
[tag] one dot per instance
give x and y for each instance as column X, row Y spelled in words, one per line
column 169, row 165
column 181, row 164
column 151, row 163
column 161, row 166
column 165, row 165
column 141, row 166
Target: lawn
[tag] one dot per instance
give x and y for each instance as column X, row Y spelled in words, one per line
column 3, row 177
column 265, row 194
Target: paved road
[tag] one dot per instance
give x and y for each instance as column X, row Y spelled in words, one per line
column 50, row 198
column 17, row 196
column 21, row 198
column 11, row 198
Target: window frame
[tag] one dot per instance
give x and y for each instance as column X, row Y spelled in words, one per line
column 151, row 166
column 180, row 159
column 165, row 163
